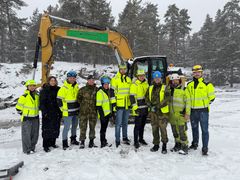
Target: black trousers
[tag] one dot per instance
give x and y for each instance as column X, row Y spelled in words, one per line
column 138, row 131
column 104, row 124
column 48, row 142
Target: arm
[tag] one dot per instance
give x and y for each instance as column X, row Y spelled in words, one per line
column 211, row 93
column 20, row 104
column 43, row 101
column 133, row 94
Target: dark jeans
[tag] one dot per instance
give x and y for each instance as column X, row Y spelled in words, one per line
column 138, row 131
column 104, row 124
column 202, row 118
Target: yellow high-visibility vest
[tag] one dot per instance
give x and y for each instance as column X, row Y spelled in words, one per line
column 27, row 105
column 121, row 86
column 103, row 100
column 68, row 94
column 164, row 109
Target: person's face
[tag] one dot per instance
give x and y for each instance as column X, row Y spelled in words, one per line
column 71, row 80
column 197, row 74
column 176, row 81
column 141, row 77
column 157, row 80
column 122, row 71
column 106, row 86
column 31, row 87
column 91, row 82
column 52, row 82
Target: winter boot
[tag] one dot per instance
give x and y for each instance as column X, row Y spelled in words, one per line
column 154, row 148
column 46, row 149
column 82, row 144
column 73, row 140
column 177, row 147
column 136, row 145
column 117, row 144
column 126, row 141
column 184, row 149
column 143, row 142
column 204, row 151
column 91, row 143
column 65, row 144
column 104, row 143
column 164, row 148
column 193, row 146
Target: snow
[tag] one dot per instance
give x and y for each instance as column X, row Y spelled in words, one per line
column 124, row 163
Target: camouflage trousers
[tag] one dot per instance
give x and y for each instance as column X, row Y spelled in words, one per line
column 179, row 128
column 86, row 119
column 159, row 122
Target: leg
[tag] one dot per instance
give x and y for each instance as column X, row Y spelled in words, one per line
column 142, row 125
column 204, row 127
column 137, row 128
column 155, row 129
column 92, row 125
column 34, row 133
column 125, row 123
column 194, row 118
column 66, row 123
column 104, row 125
column 163, row 129
column 83, row 127
column 26, row 136
column 74, row 125
column 118, row 124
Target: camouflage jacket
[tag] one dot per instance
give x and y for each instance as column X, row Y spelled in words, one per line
column 87, row 99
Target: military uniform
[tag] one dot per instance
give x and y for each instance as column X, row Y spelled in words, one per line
column 88, row 113
column 157, row 98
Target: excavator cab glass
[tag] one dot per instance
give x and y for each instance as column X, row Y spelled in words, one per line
column 150, row 64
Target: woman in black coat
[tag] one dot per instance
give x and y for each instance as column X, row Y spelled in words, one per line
column 51, row 114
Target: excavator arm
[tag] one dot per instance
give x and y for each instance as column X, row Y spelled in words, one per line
column 93, row 34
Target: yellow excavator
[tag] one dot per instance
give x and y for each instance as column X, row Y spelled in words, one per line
column 48, row 34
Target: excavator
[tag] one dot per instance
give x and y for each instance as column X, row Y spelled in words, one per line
column 49, row 33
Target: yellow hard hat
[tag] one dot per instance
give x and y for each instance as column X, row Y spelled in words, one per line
column 140, row 72
column 197, row 68
column 122, row 66
column 30, row 82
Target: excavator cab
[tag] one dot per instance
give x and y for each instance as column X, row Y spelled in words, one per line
column 150, row 64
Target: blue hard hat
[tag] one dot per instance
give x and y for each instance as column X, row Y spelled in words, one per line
column 72, row 74
column 157, row 74
column 105, row 80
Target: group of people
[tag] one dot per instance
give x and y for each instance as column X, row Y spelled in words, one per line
column 120, row 96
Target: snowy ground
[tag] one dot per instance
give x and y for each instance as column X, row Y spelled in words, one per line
column 124, row 163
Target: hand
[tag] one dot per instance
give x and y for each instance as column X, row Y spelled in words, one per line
column 186, row 117
column 153, row 108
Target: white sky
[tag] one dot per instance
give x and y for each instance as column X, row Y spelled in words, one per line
column 197, row 9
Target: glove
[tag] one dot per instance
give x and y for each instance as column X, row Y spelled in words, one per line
column 153, row 108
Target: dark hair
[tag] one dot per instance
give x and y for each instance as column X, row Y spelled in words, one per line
column 52, row 77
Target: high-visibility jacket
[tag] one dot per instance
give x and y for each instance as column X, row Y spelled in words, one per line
column 104, row 101
column 28, row 106
column 200, row 94
column 164, row 109
column 121, row 86
column 67, row 99
column 179, row 103
column 138, row 91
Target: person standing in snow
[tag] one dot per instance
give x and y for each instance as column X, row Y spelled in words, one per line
column 105, row 103
column 157, row 98
column 67, row 102
column 179, row 108
column 138, row 91
column 28, row 107
column 201, row 95
column 51, row 114
column 88, row 113
column 121, row 83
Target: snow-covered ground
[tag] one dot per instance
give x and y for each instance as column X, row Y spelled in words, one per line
column 124, row 163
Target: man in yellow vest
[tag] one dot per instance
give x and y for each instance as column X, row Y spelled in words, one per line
column 67, row 102
column 179, row 113
column 138, row 91
column 121, row 85
column 105, row 102
column 201, row 95
column 157, row 97
column 28, row 107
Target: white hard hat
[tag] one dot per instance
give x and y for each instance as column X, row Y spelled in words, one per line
column 174, row 76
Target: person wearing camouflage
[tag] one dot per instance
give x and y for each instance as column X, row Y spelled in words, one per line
column 157, row 98
column 88, row 113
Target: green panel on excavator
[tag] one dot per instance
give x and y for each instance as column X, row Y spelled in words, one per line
column 92, row 36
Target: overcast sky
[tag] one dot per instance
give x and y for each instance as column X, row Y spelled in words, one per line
column 197, row 9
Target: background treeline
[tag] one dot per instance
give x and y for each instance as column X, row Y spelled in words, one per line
column 216, row 46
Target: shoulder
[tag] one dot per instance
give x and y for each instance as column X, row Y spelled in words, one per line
column 190, row 82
